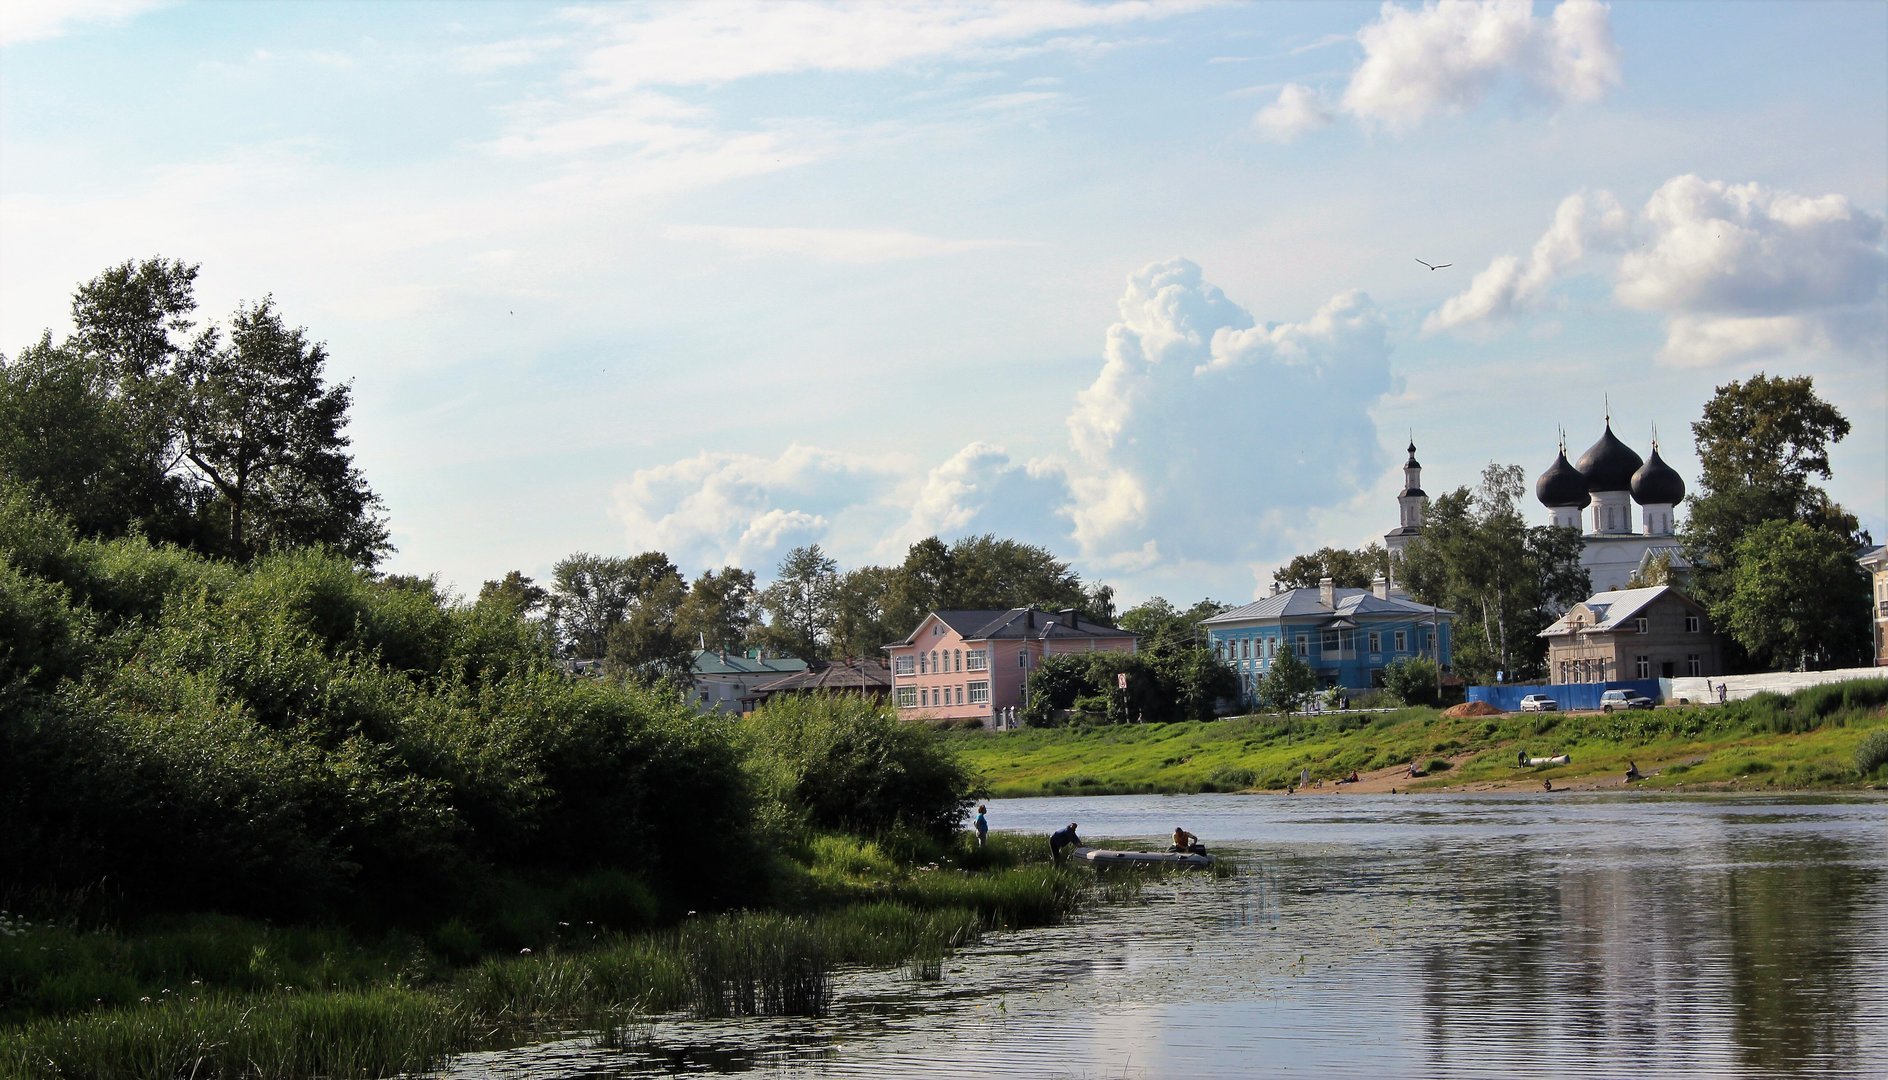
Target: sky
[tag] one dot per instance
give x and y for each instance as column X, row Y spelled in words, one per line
column 1138, row 282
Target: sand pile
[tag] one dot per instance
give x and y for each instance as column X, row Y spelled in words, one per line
column 1471, row 708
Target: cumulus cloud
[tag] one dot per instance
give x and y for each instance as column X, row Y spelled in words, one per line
column 746, row 510
column 1205, row 430
column 1297, row 110
column 1205, row 436
column 1509, row 286
column 1736, row 270
column 1449, row 56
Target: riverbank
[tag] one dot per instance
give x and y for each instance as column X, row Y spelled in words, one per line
column 1811, row 740
column 215, row 996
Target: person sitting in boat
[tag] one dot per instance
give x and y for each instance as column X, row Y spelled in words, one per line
column 1063, row 838
column 1186, row 843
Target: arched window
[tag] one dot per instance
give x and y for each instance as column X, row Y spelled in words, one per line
column 957, row 659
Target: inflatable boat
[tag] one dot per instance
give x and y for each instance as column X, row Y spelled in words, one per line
column 1110, row 857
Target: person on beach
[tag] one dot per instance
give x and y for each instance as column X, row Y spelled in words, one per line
column 1632, row 772
column 1186, row 843
column 983, row 824
column 1063, row 838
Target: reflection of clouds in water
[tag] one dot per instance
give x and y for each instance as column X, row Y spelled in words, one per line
column 1380, row 936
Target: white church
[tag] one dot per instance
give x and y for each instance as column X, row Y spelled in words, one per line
column 1610, row 479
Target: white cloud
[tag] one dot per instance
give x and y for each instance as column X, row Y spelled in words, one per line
column 1736, row 269
column 710, row 44
column 1297, row 110
column 719, row 509
column 1204, row 437
column 1508, row 286
column 1203, row 431
column 38, row 20
column 1447, row 57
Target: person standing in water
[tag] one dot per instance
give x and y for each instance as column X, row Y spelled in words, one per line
column 1063, row 838
column 983, row 824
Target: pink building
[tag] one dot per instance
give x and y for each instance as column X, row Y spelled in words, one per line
column 959, row 664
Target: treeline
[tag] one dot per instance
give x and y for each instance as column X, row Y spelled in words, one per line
column 644, row 619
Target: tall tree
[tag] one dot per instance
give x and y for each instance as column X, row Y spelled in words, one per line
column 260, row 427
column 517, row 592
column 232, row 448
column 998, row 574
column 1762, row 445
column 861, row 615
column 1287, row 683
column 800, row 604
column 647, row 645
column 1797, row 598
column 1348, row 569
column 718, row 612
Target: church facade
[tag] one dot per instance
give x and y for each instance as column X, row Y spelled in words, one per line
column 1609, row 480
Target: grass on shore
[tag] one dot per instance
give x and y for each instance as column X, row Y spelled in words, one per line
column 215, row 997
column 1807, row 740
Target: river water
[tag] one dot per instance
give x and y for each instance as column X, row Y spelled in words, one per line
column 1400, row 936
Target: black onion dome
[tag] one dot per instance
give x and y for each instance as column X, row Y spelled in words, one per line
column 1608, row 465
column 1412, row 463
column 1562, row 485
column 1657, row 483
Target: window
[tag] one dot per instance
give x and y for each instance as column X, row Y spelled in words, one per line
column 976, row 660
column 957, row 659
column 937, row 629
column 1271, row 647
column 1219, row 649
column 1376, row 642
column 1694, row 666
column 924, row 696
column 960, row 695
column 904, row 665
column 1245, row 650
column 1642, row 624
column 934, row 666
column 980, row 693
column 907, row 697
column 1643, row 666
column 1691, row 627
column 1402, row 641
column 1328, row 643
column 921, row 667
column 1304, row 647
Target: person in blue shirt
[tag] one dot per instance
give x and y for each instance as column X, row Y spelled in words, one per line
column 983, row 824
column 1063, row 838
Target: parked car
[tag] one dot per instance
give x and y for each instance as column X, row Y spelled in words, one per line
column 1539, row 703
column 1623, row 699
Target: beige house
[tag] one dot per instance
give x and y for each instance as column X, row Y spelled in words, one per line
column 1655, row 633
column 1875, row 561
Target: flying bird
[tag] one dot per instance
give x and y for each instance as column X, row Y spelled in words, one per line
column 1436, row 266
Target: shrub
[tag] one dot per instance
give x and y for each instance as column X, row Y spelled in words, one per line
column 841, row 762
column 1872, row 754
column 1412, row 680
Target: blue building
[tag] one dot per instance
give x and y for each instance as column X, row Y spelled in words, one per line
column 1347, row 636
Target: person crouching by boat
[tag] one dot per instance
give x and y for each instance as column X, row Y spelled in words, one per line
column 1186, row 843
column 1063, row 838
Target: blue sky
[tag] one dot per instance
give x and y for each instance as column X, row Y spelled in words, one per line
column 1134, row 281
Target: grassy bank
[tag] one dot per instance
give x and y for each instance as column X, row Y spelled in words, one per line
column 215, row 996
column 1809, row 740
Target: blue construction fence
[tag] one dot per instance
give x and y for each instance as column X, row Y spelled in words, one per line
column 1569, row 695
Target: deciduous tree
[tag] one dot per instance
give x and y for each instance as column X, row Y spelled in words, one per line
column 800, row 604
column 1797, row 598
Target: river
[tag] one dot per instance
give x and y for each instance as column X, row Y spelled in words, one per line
column 1405, row 936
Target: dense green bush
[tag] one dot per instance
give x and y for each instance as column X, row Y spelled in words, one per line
column 1872, row 754
column 842, row 762
column 295, row 738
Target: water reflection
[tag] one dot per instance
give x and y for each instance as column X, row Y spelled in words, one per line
column 1483, row 936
